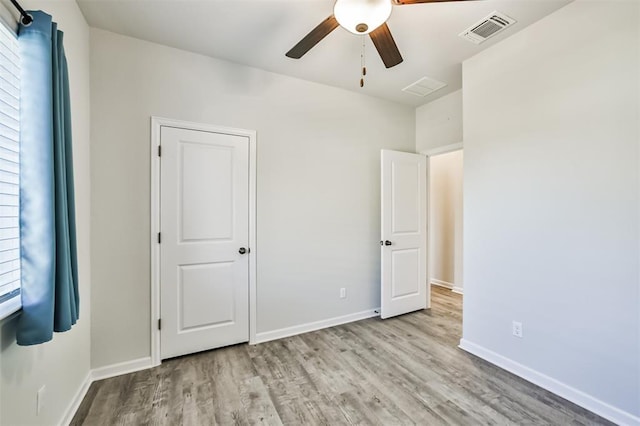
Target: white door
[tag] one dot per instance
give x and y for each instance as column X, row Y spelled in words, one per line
column 204, row 223
column 404, row 233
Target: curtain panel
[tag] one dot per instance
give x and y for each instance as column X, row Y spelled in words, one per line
column 50, row 299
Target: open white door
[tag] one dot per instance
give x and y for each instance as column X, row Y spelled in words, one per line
column 404, row 233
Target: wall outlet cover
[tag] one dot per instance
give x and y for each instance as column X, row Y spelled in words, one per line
column 517, row 329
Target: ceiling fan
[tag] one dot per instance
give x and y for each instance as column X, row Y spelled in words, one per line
column 360, row 17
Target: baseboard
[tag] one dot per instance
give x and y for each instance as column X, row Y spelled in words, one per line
column 146, row 362
column 121, row 368
column 447, row 285
column 441, row 283
column 313, row 326
column 76, row 401
column 99, row 374
column 574, row 395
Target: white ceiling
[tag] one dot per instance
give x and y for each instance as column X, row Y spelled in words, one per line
column 259, row 32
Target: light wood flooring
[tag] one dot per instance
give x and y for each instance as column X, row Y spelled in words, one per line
column 400, row 371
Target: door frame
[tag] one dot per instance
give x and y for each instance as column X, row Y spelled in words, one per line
column 431, row 153
column 156, row 124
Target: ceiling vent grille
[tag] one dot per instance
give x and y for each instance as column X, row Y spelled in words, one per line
column 487, row 27
column 423, row 87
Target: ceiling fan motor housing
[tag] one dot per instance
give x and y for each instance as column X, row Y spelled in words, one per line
column 362, row 16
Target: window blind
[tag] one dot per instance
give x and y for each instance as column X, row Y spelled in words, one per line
column 9, row 172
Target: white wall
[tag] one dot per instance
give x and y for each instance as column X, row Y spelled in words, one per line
column 62, row 364
column 551, row 193
column 318, row 184
column 439, row 122
column 445, row 219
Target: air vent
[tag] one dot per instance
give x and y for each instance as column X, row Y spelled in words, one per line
column 423, row 87
column 487, row 27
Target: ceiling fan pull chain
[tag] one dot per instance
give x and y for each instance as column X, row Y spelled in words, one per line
column 363, row 65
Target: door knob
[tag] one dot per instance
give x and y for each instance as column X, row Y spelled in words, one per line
column 243, row 250
column 387, row 242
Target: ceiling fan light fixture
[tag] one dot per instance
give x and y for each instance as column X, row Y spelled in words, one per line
column 362, row 16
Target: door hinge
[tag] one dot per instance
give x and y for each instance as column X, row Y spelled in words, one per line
column 159, row 150
column 159, row 237
column 159, row 323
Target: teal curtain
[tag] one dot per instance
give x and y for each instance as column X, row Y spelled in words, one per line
column 50, row 300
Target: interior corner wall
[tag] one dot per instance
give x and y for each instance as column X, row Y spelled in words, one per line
column 439, row 123
column 318, row 191
column 62, row 365
column 445, row 219
column 551, row 191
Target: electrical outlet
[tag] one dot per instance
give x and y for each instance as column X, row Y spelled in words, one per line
column 343, row 293
column 517, row 329
column 40, row 400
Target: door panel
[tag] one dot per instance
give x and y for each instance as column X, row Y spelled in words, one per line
column 405, row 265
column 404, row 233
column 206, row 174
column 206, row 296
column 204, row 280
column 405, row 204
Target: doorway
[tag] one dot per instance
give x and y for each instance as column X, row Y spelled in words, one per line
column 445, row 237
column 203, row 237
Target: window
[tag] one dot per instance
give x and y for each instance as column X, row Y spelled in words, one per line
column 10, row 300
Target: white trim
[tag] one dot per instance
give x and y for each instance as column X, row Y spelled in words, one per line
column 121, row 368
column 316, row 325
column 156, row 124
column 444, row 284
column 76, row 401
column 139, row 364
column 253, row 220
column 10, row 308
column 9, row 19
column 441, row 283
column 428, row 213
column 100, row 374
column 572, row 394
column 443, row 149
column 155, row 247
column 454, row 288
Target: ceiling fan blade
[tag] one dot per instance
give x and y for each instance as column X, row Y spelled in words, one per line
column 386, row 46
column 401, row 2
column 313, row 38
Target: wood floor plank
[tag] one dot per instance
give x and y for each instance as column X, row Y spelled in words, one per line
column 406, row 370
column 257, row 402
